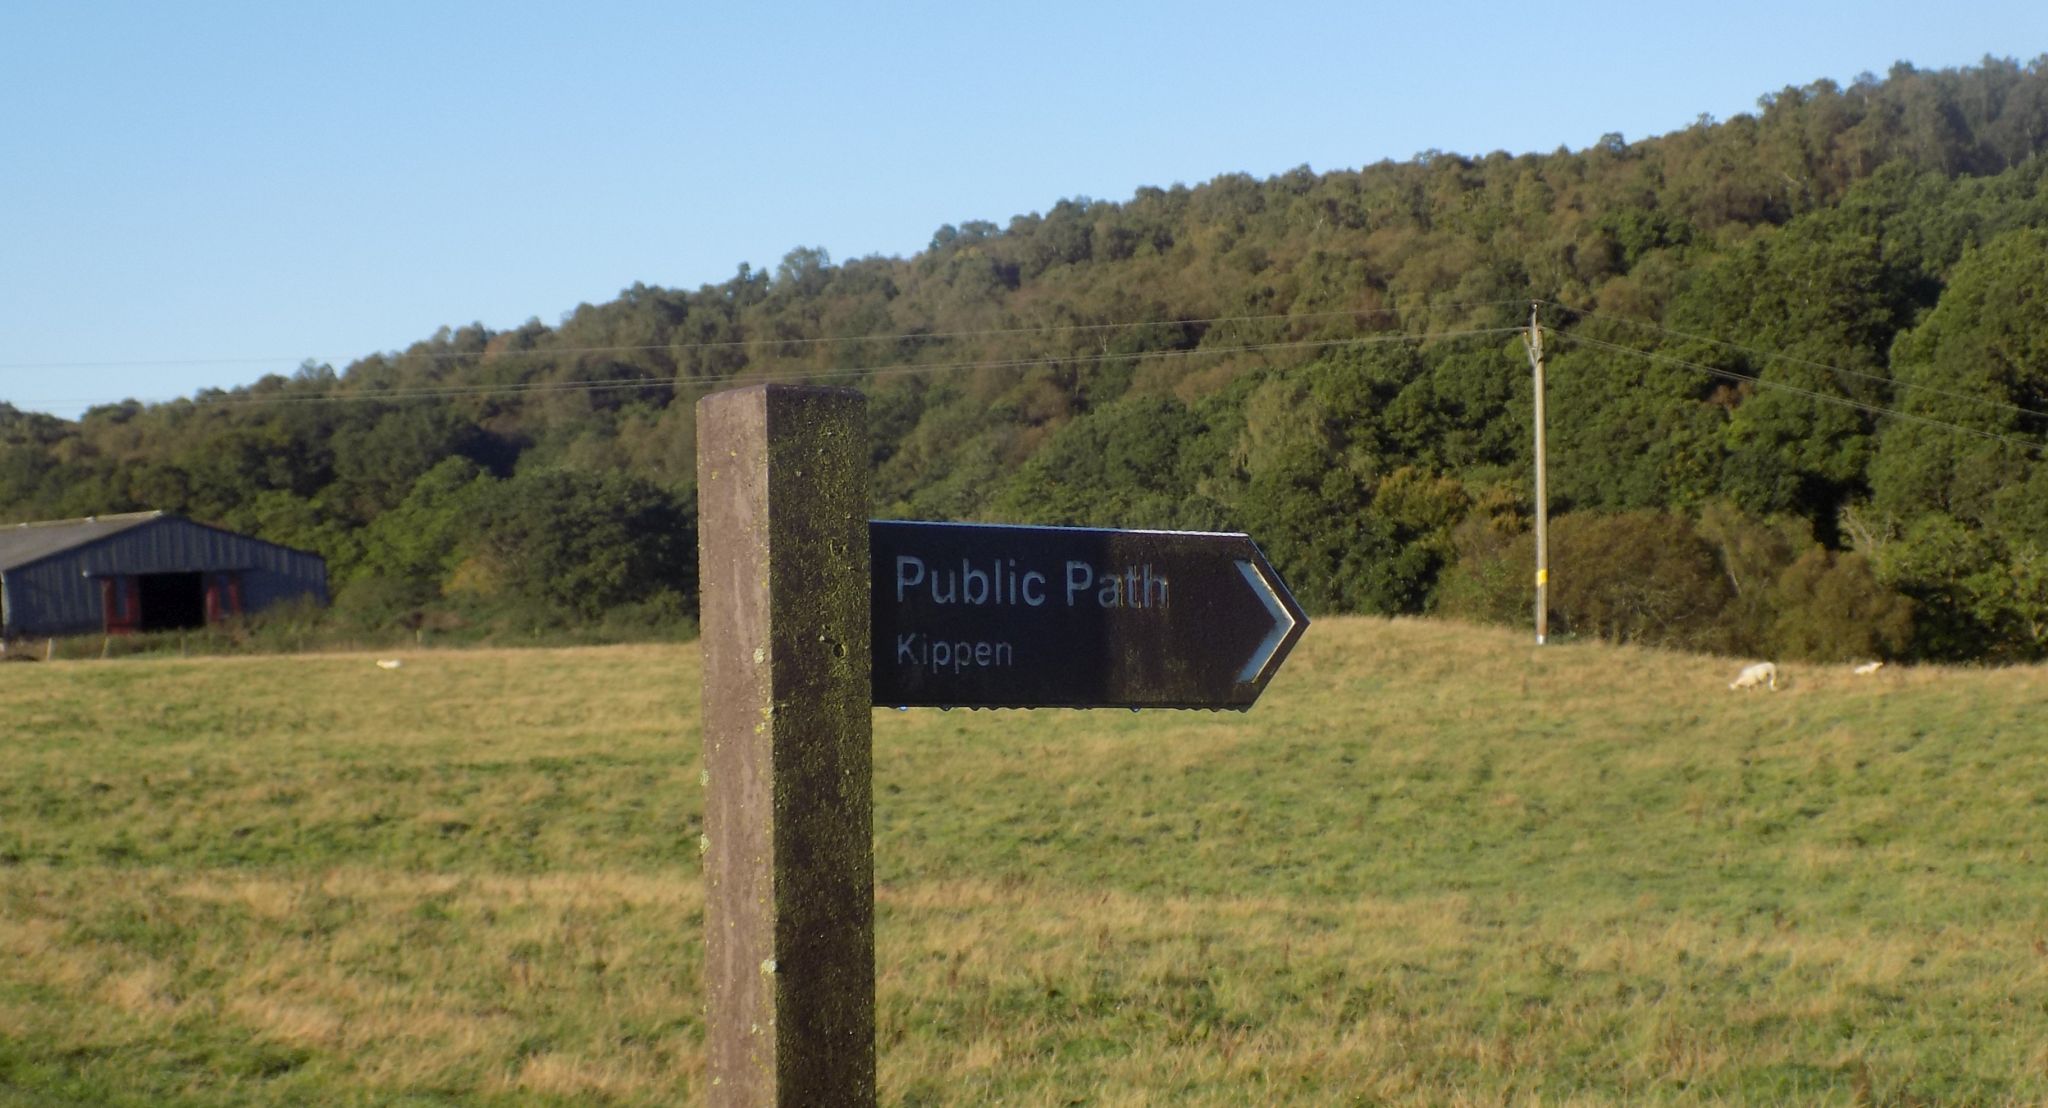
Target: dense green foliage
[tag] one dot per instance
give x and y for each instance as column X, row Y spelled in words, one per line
column 1821, row 324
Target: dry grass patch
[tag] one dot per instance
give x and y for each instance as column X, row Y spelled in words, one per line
column 1435, row 866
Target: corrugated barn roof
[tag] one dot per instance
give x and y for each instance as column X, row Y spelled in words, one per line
column 22, row 543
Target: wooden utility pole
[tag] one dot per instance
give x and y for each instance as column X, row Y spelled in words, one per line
column 788, row 824
column 1534, row 341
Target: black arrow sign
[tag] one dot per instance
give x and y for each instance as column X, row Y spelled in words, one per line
column 986, row 616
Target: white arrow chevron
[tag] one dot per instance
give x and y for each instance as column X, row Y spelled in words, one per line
column 1283, row 622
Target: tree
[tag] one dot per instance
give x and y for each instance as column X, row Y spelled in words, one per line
column 1807, row 313
column 573, row 545
column 1630, row 433
column 377, row 462
column 1978, row 362
column 1753, row 553
column 1118, row 466
column 1642, row 577
column 1975, row 596
column 422, row 538
column 1830, row 607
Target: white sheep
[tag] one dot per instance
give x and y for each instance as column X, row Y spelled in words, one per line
column 1762, row 673
column 1867, row 668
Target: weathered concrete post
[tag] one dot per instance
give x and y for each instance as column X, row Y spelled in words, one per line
column 788, row 743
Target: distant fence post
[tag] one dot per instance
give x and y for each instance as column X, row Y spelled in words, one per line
column 788, row 743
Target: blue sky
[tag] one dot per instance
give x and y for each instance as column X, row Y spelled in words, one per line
column 197, row 194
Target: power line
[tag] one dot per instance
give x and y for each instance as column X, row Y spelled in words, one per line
column 1048, row 330
column 433, row 392
column 849, row 374
column 852, row 374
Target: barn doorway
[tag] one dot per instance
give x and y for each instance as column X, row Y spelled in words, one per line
column 171, row 601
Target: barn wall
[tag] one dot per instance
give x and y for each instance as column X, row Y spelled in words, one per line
column 60, row 595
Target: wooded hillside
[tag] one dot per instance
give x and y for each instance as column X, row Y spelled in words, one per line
column 1798, row 367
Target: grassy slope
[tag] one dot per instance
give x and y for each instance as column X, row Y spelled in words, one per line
column 1435, row 866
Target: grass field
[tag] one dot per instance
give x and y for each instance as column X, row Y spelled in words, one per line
column 1435, row 866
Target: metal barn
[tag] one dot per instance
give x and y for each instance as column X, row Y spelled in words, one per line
column 145, row 571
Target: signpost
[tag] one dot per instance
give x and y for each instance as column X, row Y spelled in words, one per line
column 788, row 837
column 802, row 637
column 978, row 616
